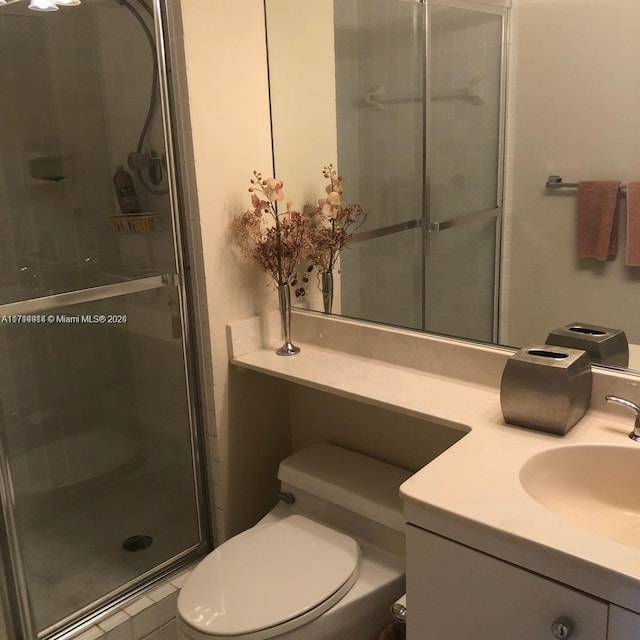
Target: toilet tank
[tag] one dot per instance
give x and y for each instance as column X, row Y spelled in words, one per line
column 352, row 481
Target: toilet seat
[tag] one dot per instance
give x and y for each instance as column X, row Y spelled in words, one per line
column 269, row 580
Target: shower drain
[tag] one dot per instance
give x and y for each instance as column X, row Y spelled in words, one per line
column 137, row 543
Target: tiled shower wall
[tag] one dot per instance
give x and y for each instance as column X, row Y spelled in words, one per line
column 57, row 235
column 50, row 228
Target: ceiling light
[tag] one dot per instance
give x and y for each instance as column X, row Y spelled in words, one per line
column 43, row 5
column 68, row 3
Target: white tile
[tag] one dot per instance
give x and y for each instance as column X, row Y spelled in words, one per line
column 144, row 622
column 218, row 473
column 214, row 449
column 138, row 605
column 123, row 631
column 143, row 617
column 169, row 631
column 114, row 621
column 180, row 579
column 167, row 608
column 92, row 633
column 161, row 592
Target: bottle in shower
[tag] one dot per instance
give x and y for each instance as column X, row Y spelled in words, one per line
column 126, row 191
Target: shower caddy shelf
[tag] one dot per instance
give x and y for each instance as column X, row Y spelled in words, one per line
column 135, row 223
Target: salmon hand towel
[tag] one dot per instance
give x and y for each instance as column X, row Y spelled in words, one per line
column 633, row 224
column 597, row 231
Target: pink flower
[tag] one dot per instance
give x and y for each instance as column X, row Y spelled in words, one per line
column 331, row 205
column 259, row 204
column 273, row 189
column 286, row 217
column 335, row 186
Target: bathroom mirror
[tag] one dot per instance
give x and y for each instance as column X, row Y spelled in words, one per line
column 446, row 120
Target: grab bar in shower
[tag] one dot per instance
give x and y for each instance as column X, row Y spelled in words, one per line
column 555, row 183
column 69, row 298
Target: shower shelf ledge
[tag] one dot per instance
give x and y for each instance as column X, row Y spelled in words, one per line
column 135, row 223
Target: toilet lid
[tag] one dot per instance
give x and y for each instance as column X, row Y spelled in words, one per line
column 288, row 572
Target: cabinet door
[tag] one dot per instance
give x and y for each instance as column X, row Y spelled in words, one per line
column 456, row 593
column 623, row 624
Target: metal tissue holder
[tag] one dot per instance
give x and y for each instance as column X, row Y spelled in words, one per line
column 603, row 345
column 547, row 388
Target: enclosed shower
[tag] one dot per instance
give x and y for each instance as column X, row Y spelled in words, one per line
column 101, row 484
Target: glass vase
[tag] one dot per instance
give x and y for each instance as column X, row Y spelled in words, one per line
column 326, row 282
column 284, row 301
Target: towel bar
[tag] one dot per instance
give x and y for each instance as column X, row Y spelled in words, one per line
column 554, row 183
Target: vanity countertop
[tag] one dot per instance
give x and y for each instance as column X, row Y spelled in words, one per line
column 471, row 493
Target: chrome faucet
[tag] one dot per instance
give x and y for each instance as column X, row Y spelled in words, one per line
column 635, row 434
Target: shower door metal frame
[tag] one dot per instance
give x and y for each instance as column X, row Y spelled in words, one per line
column 14, row 592
column 482, row 214
column 20, row 613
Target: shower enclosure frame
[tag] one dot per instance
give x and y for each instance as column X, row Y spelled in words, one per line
column 429, row 227
column 14, row 593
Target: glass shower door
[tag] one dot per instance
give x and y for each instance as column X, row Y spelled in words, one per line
column 380, row 71
column 465, row 138
column 428, row 170
column 101, row 451
column 94, row 390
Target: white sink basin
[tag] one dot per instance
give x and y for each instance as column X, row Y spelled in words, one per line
column 597, row 487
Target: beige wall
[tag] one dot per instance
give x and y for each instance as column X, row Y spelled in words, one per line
column 227, row 84
column 303, row 88
column 576, row 115
column 303, row 96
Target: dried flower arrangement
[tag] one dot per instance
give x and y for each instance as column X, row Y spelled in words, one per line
column 277, row 241
column 331, row 224
column 280, row 241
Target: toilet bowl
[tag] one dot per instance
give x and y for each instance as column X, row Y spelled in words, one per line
column 326, row 566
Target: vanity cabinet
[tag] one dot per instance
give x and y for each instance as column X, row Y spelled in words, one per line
column 455, row 593
column 623, row 624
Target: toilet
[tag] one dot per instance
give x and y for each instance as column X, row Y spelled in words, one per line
column 326, row 563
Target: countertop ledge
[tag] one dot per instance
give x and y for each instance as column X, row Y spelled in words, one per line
column 471, row 493
column 417, row 393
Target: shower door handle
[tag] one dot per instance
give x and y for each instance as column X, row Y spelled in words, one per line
column 469, row 218
column 69, row 298
column 386, row 231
